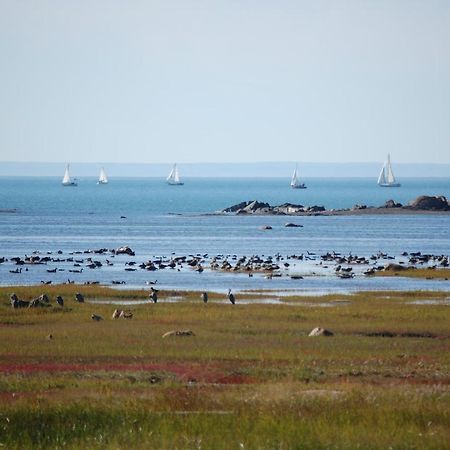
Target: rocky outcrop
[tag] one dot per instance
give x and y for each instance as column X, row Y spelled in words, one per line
column 247, row 207
column 392, row 204
column 423, row 203
column 430, row 203
column 256, row 207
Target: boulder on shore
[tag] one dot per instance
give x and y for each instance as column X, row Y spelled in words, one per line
column 256, row 207
column 431, row 203
column 392, row 204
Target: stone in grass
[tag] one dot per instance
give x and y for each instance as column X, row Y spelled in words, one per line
column 178, row 333
column 321, row 332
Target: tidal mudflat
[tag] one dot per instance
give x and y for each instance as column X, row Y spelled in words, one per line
column 236, row 376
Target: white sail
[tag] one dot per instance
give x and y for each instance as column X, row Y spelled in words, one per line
column 174, row 177
column 386, row 177
column 295, row 182
column 382, row 177
column 67, row 180
column 102, row 179
column 390, row 174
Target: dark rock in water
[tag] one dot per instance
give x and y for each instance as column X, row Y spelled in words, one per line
column 293, row 225
column 250, row 206
column 266, row 227
column 392, row 204
column 256, row 207
column 431, row 203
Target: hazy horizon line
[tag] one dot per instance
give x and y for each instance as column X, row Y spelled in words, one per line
column 278, row 169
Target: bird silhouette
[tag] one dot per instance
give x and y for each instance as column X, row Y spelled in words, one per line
column 154, row 296
column 231, row 297
column 204, row 297
column 96, row 318
column 79, row 297
column 60, row 300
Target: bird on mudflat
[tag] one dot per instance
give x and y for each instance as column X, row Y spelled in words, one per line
column 231, row 297
column 96, row 318
column 154, row 296
column 79, row 297
column 59, row 300
column 204, row 297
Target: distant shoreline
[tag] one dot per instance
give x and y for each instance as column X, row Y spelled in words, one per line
column 371, row 211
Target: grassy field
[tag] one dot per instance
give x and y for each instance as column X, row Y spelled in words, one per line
column 249, row 378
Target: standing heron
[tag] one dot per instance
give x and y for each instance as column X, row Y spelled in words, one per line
column 60, row 300
column 204, row 297
column 153, row 295
column 231, row 297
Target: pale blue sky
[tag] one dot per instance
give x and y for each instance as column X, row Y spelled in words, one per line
column 222, row 81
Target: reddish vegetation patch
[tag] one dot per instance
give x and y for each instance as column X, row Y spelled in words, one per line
column 236, row 379
column 187, row 372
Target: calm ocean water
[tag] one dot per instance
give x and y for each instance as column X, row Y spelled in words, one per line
column 161, row 220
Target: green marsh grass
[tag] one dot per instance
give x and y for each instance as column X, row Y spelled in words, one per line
column 249, row 378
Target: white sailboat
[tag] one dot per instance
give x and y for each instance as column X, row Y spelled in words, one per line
column 174, row 177
column 67, row 180
column 386, row 177
column 102, row 178
column 295, row 182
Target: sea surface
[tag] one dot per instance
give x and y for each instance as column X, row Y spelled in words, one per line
column 157, row 220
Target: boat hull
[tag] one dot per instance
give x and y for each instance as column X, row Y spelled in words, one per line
column 300, row 186
column 72, row 183
column 389, row 185
column 173, row 183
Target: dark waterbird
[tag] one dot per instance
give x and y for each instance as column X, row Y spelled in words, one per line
column 79, row 297
column 231, row 297
column 204, row 297
column 59, row 300
column 154, row 295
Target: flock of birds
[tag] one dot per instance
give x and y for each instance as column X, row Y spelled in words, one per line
column 268, row 265
column 44, row 301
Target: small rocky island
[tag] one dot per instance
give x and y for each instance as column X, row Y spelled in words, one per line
column 422, row 204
